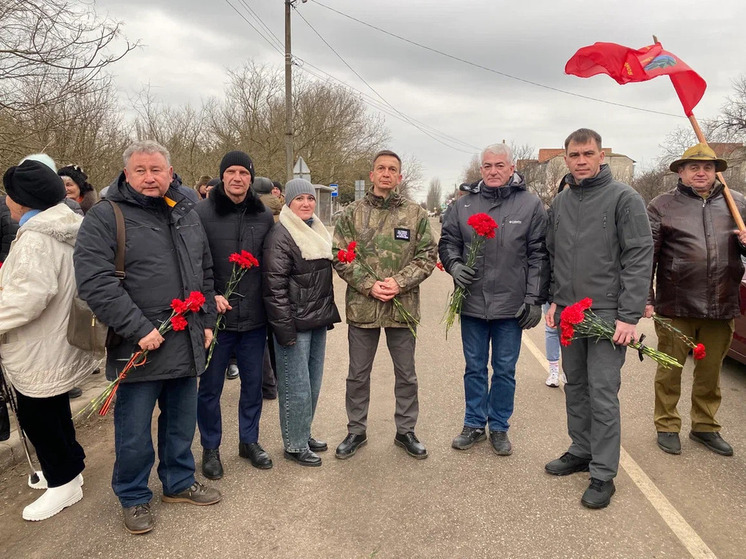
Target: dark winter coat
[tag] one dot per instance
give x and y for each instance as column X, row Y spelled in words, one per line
column 298, row 290
column 513, row 268
column 697, row 256
column 600, row 246
column 8, row 229
column 230, row 228
column 167, row 257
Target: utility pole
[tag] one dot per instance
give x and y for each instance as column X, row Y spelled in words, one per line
column 288, row 96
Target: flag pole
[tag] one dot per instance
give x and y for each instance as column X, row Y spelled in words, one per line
column 726, row 191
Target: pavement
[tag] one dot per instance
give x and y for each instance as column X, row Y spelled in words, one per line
column 455, row 504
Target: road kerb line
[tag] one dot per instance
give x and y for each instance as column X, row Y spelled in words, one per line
column 678, row 525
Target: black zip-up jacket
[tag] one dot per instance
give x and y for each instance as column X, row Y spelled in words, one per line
column 298, row 293
column 600, row 246
column 697, row 257
column 230, row 228
column 513, row 268
column 8, row 229
column 166, row 257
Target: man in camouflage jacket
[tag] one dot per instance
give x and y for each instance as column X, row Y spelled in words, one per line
column 394, row 242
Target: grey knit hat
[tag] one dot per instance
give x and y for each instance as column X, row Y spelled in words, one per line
column 296, row 187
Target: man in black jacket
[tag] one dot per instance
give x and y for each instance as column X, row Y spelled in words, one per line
column 166, row 257
column 235, row 220
column 600, row 248
column 505, row 291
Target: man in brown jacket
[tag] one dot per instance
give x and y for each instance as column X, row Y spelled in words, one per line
column 698, row 269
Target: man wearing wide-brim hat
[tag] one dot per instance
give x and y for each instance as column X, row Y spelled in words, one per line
column 697, row 269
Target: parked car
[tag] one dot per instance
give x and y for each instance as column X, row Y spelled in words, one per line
column 737, row 349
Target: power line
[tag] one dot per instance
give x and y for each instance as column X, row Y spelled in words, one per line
column 405, row 117
column 374, row 103
column 255, row 29
column 492, row 70
column 278, row 42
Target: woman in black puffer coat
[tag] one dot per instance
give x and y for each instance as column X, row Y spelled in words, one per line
column 299, row 300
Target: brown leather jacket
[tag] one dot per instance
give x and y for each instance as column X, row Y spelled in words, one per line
column 697, row 257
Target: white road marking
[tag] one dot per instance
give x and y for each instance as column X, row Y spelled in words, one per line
column 679, row 526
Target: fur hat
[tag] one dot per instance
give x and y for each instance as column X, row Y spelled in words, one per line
column 236, row 158
column 78, row 176
column 34, row 185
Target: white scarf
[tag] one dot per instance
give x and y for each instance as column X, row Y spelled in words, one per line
column 314, row 242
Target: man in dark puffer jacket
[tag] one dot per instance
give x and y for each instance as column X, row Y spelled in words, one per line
column 166, row 257
column 235, row 220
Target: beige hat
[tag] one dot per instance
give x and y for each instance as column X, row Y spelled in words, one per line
column 700, row 152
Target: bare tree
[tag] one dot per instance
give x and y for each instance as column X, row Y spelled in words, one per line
column 732, row 119
column 651, row 183
column 434, row 195
column 56, row 47
column 471, row 172
column 411, row 170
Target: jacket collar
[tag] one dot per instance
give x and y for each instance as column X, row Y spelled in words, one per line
column 393, row 200
column 601, row 179
column 717, row 189
column 515, row 184
column 224, row 205
column 313, row 241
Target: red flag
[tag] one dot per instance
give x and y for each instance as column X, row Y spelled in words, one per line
column 628, row 65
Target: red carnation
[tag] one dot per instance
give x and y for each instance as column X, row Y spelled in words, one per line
column 195, row 301
column 483, row 225
column 179, row 306
column 699, row 352
column 572, row 314
column 342, row 255
column 178, row 322
column 439, row 265
column 585, row 303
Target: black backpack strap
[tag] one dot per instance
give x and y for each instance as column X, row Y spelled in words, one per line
column 121, row 238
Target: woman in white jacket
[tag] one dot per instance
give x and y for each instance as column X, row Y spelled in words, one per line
column 37, row 284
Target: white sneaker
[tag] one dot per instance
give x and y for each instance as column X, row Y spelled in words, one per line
column 563, row 378
column 42, row 483
column 552, row 379
column 53, row 501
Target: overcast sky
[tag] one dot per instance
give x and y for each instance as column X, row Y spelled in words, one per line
column 187, row 45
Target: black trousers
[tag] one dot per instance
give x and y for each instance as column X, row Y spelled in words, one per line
column 48, row 424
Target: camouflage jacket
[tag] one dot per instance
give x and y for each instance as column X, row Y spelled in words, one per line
column 393, row 237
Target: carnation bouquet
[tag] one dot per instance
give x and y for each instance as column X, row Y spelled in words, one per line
column 579, row 321
column 484, row 228
column 241, row 263
column 348, row 255
column 175, row 322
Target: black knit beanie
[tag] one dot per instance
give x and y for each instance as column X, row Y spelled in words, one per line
column 236, row 158
column 34, row 185
column 76, row 173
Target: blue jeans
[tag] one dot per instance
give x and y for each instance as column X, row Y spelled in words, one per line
column 133, row 444
column 551, row 340
column 248, row 348
column 300, row 368
column 493, row 405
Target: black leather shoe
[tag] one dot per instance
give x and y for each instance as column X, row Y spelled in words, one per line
column 468, row 438
column 713, row 441
column 231, row 373
column 500, row 443
column 349, row 446
column 304, row 457
column 669, row 442
column 317, row 446
column 212, row 468
column 409, row 442
column 75, row 392
column 567, row 464
column 256, row 454
column 138, row 519
column 598, row 495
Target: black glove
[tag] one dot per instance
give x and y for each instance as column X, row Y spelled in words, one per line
column 462, row 274
column 528, row 316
